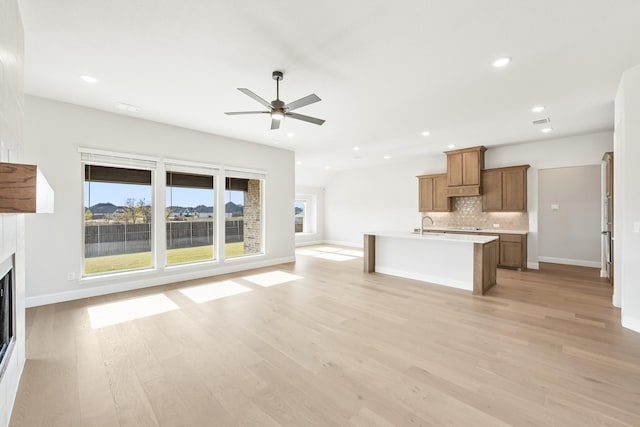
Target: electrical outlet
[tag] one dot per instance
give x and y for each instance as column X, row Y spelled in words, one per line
column 496, row 225
column 555, row 207
column 71, row 275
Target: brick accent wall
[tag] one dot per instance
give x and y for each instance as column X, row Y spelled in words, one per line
column 253, row 218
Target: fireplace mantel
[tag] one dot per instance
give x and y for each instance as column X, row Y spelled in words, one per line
column 24, row 189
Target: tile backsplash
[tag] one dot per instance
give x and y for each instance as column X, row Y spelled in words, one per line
column 467, row 212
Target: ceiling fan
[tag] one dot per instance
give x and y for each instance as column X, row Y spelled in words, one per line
column 277, row 108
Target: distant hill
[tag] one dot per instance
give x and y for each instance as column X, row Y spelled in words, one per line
column 104, row 208
column 229, row 207
column 232, row 208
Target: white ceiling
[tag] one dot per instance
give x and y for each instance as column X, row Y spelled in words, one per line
column 385, row 70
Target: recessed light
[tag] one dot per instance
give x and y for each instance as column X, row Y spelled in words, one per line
column 426, row 133
column 291, row 134
column 356, row 148
column 387, row 157
column 502, row 62
column 546, row 130
column 451, row 146
column 538, row 108
column 127, row 107
column 89, row 79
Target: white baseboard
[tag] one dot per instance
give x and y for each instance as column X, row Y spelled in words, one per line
column 156, row 280
column 343, row 243
column 459, row 284
column 568, row 261
column 631, row 323
column 603, row 273
column 533, row 265
column 310, row 243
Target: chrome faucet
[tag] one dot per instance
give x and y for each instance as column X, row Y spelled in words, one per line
column 422, row 225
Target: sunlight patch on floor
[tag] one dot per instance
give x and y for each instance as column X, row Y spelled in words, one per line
column 308, row 252
column 127, row 310
column 214, row 291
column 335, row 257
column 351, row 252
column 272, row 278
column 327, row 249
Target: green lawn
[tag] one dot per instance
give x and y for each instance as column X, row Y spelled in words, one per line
column 143, row 259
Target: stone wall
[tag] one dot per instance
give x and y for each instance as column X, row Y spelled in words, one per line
column 253, row 218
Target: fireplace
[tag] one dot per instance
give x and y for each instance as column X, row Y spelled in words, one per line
column 7, row 312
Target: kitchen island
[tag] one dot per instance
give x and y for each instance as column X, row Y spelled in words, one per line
column 456, row 260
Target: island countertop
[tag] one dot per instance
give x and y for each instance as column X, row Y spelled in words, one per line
column 451, row 237
column 464, row 261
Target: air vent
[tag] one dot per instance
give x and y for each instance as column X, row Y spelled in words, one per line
column 544, row 121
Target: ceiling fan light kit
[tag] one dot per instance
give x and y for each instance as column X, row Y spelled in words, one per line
column 277, row 108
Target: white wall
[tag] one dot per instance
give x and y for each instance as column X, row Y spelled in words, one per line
column 11, row 148
column 386, row 197
column 570, row 234
column 626, row 199
column 315, row 214
column 53, row 133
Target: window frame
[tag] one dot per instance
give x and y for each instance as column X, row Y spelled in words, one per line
column 94, row 157
column 309, row 225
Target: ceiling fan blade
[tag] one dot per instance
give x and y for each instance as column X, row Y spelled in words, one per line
column 309, row 99
column 235, row 113
column 275, row 124
column 304, row 118
column 254, row 96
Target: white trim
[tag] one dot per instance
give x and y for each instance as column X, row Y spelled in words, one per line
column 156, row 280
column 631, row 323
column 443, row 281
column 310, row 243
column 117, row 159
column 235, row 172
column 184, row 166
column 568, row 261
column 603, row 273
column 533, row 265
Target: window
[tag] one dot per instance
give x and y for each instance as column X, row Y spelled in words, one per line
column 118, row 212
column 300, row 212
column 243, row 214
column 190, row 221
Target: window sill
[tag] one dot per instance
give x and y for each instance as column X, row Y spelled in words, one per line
column 239, row 258
column 191, row 265
column 98, row 277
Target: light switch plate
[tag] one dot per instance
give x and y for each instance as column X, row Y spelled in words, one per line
column 636, row 227
column 555, row 207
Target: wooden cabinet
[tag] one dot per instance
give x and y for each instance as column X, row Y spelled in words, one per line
column 513, row 251
column 505, row 189
column 512, row 248
column 463, row 171
column 432, row 195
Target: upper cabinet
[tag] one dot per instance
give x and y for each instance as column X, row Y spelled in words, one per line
column 432, row 195
column 463, row 171
column 505, row 189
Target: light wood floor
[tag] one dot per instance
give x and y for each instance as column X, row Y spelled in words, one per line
column 341, row 348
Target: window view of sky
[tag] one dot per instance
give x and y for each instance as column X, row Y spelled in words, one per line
column 117, row 194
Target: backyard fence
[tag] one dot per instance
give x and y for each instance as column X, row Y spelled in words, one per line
column 115, row 239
